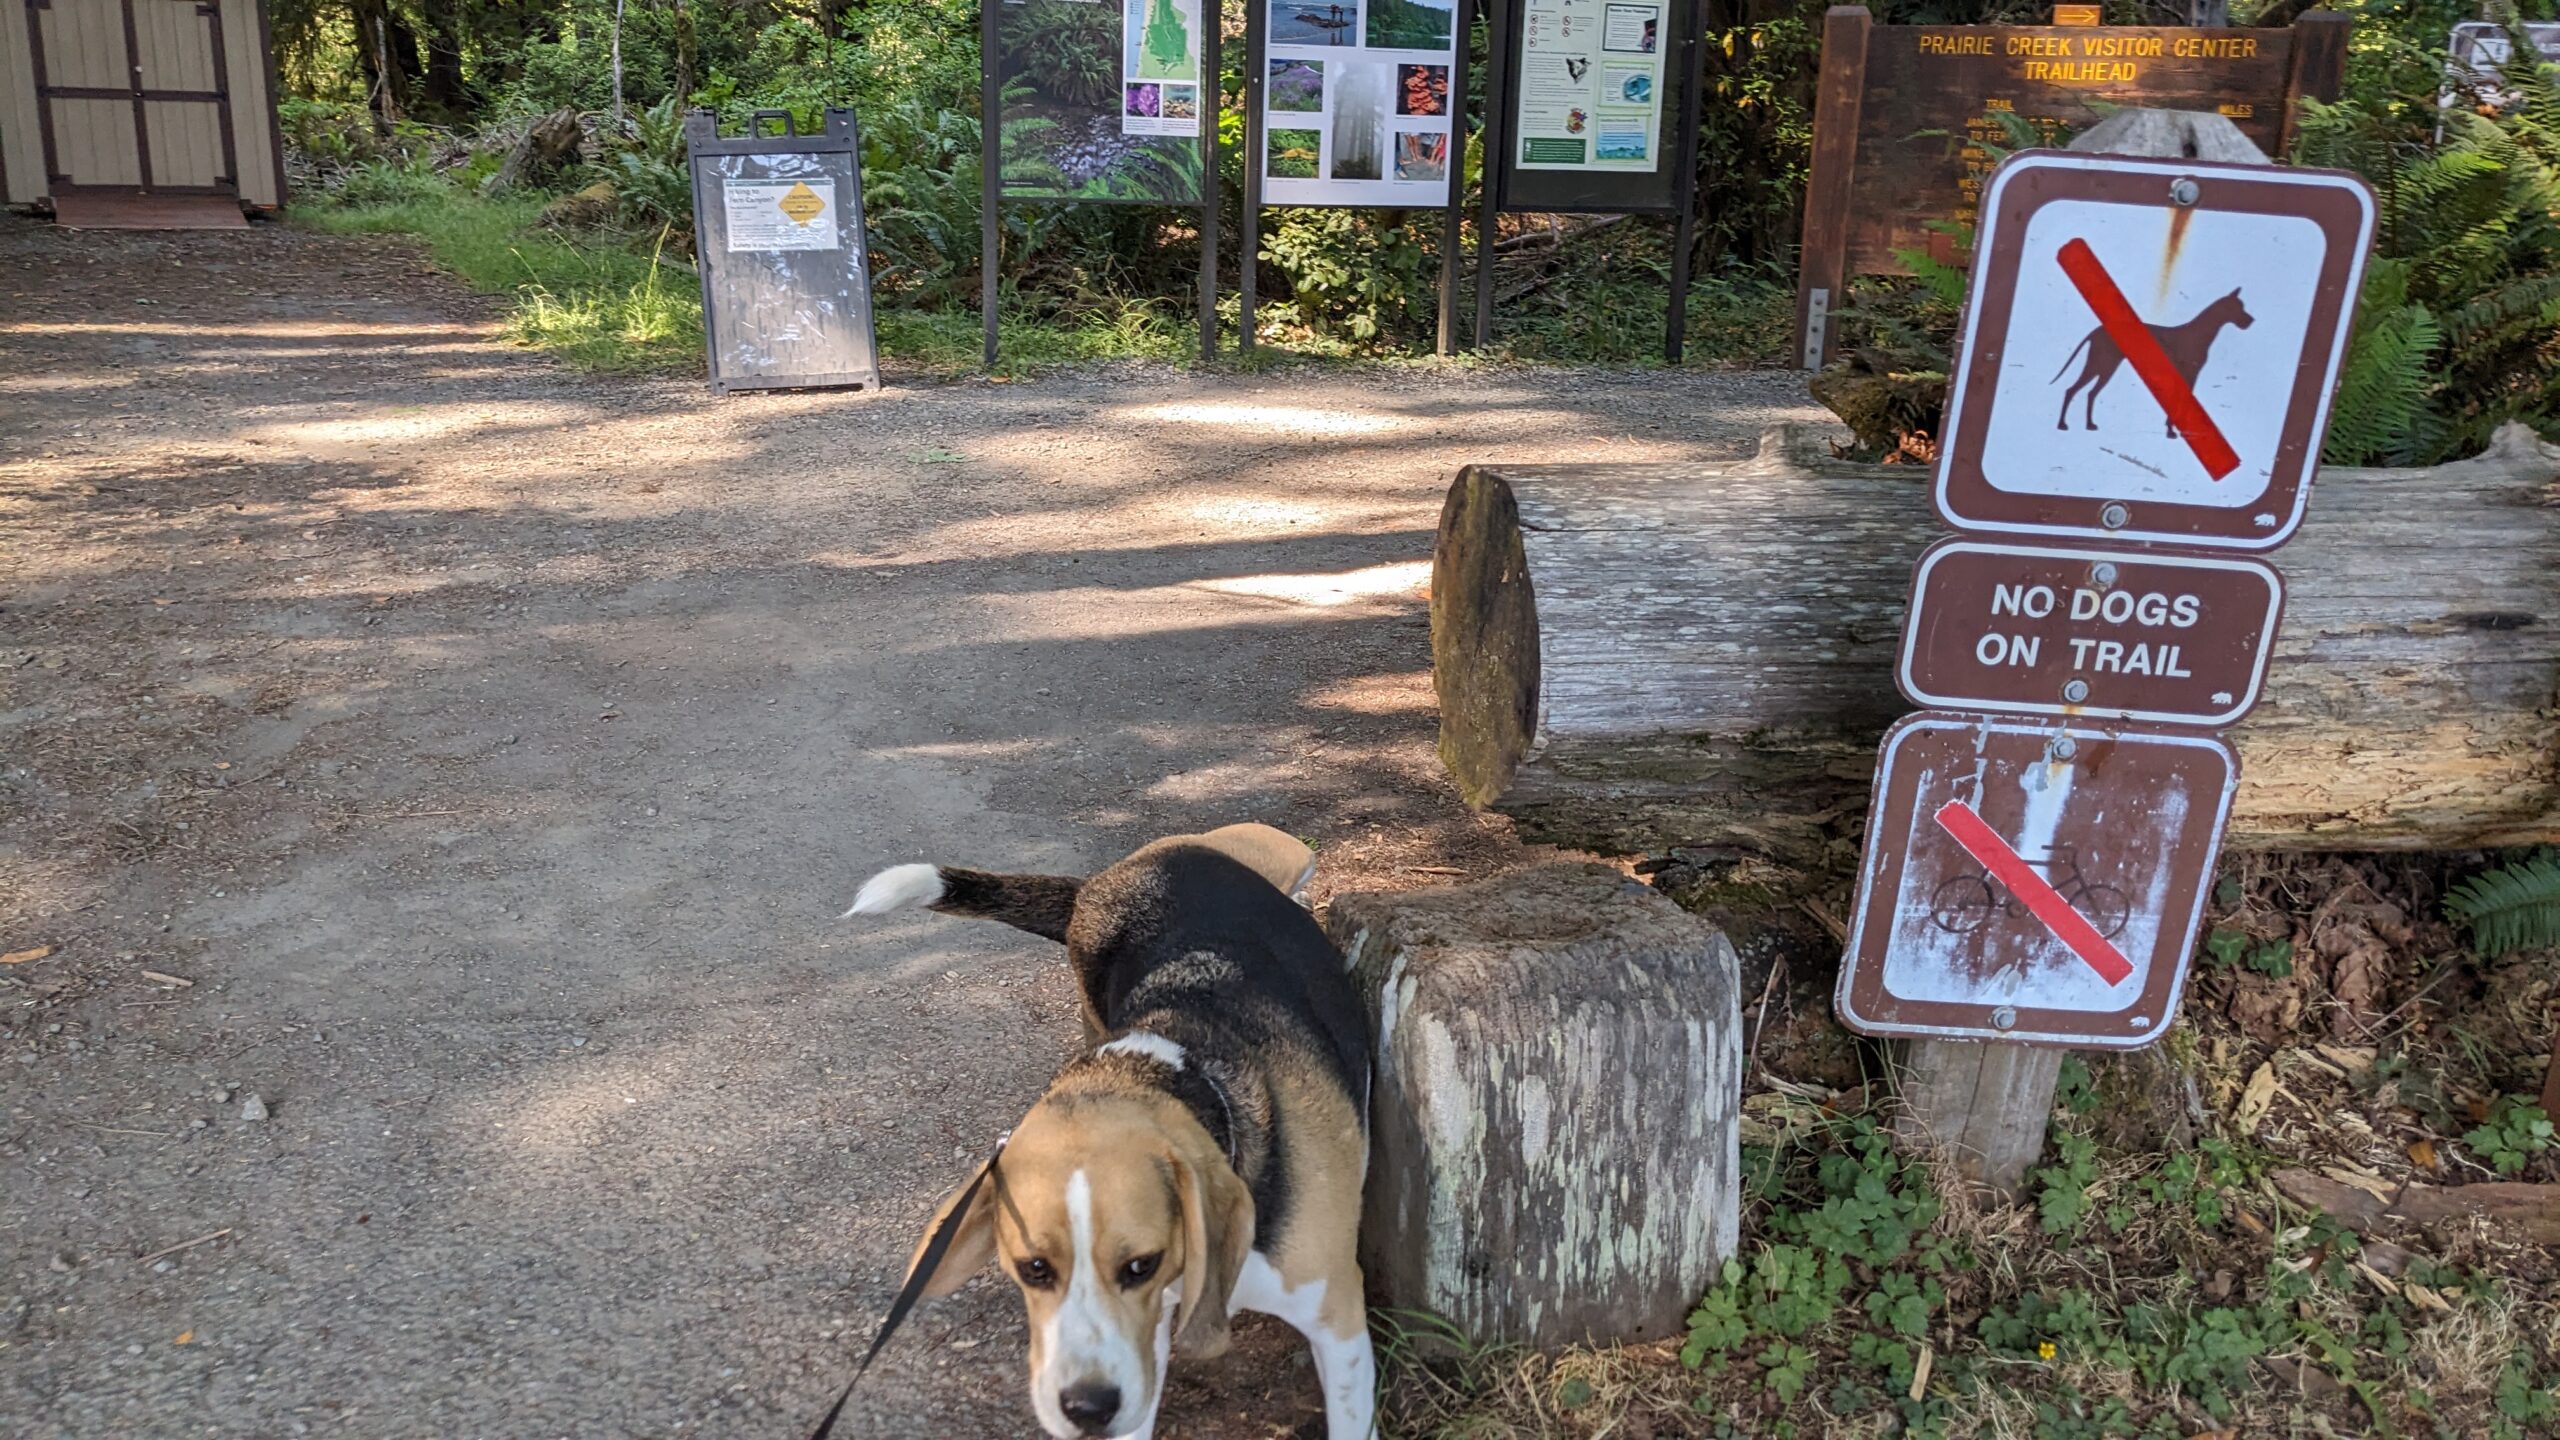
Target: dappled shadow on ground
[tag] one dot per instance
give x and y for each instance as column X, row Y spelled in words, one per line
column 492, row 748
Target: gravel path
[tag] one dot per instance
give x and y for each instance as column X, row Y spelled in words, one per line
column 483, row 754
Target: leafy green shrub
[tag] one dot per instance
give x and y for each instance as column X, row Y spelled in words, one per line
column 2514, row 1133
column 920, row 176
column 1350, row 274
column 2456, row 336
column 326, row 132
column 652, row 180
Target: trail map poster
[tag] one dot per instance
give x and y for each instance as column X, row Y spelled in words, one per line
column 1100, row 100
column 1590, row 85
column 1356, row 102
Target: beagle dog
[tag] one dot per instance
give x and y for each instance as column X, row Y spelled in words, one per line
column 1203, row 1155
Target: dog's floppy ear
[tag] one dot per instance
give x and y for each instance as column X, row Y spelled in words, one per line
column 1275, row 855
column 1217, row 1230
column 973, row 1241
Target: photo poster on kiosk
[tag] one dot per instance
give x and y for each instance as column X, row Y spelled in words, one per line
column 1110, row 102
column 1596, row 114
column 1355, row 103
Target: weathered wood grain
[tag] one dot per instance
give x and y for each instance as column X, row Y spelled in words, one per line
column 1555, row 1124
column 2515, row 1212
column 1633, row 658
column 1984, row 1107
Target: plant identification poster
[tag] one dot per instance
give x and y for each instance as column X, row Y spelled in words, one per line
column 1355, row 102
column 1590, row 85
column 1160, row 68
column 1099, row 101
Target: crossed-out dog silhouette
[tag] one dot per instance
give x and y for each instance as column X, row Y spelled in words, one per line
column 2187, row 346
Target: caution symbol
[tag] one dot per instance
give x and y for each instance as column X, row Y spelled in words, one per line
column 802, row 204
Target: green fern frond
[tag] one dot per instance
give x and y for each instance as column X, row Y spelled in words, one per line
column 2384, row 405
column 2513, row 907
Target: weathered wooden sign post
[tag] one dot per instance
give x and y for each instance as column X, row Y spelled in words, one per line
column 2144, row 376
column 1904, row 129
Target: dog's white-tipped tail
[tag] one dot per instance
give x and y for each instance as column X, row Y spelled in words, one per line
column 897, row 888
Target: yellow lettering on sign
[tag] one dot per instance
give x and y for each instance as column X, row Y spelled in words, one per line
column 2080, row 72
column 1933, row 44
column 802, row 204
column 2214, row 47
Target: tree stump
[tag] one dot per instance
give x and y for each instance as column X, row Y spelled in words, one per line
column 1637, row 657
column 1554, row 1152
column 548, row 143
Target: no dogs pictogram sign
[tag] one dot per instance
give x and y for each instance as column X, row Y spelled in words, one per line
column 2033, row 881
column 2150, row 348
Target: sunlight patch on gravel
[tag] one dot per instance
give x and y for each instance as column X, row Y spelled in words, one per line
column 1259, row 513
column 1274, row 420
column 1402, row 578
column 1403, row 693
column 415, row 422
column 1227, row 780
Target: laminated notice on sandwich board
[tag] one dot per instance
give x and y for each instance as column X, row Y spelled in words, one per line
column 786, row 297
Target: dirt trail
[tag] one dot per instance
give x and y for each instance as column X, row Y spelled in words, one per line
column 492, row 749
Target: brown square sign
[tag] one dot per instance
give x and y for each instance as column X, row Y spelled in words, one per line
column 2083, row 631
column 2150, row 347
column 2033, row 881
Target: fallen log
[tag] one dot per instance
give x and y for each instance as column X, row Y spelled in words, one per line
column 2519, row 1214
column 1639, row 658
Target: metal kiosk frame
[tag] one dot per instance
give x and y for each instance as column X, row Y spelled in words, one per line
column 1504, row 186
column 1257, row 39
column 991, row 196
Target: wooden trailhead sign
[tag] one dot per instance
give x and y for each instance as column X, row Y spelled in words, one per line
column 1909, row 119
column 2032, row 882
column 2150, row 347
column 2090, row 633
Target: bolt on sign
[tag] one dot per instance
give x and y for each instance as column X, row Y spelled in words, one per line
column 2148, row 356
column 2078, row 632
column 2150, row 347
column 2031, row 882
column 1908, row 120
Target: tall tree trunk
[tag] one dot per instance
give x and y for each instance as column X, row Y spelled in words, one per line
column 444, row 89
column 688, row 51
column 387, row 52
column 617, row 66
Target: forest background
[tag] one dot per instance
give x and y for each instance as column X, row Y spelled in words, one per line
column 400, row 112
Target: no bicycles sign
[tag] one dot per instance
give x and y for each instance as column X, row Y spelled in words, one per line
column 2033, row 882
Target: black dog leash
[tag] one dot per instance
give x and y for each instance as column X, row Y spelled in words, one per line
column 926, row 1263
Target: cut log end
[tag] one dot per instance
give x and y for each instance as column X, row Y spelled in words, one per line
column 1484, row 618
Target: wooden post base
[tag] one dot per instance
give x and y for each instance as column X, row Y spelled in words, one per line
column 1984, row 1107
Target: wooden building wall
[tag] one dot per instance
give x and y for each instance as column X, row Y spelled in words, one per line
column 94, row 137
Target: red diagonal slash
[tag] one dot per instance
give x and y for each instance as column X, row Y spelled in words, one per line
column 2149, row 361
column 2046, row 903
